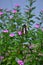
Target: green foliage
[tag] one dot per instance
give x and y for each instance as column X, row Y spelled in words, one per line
column 18, row 40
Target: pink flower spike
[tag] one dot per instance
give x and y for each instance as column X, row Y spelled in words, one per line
column 5, row 31
column 37, row 26
column 14, row 11
column 17, row 5
column 20, row 62
column 1, row 57
column 1, row 13
column 19, row 33
column 12, row 35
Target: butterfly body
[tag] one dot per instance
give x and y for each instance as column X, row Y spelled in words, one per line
column 24, row 29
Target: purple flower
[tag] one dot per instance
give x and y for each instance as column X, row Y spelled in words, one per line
column 12, row 35
column 5, row 31
column 1, row 57
column 1, row 13
column 19, row 33
column 17, row 5
column 20, row 62
column 37, row 26
column 14, row 11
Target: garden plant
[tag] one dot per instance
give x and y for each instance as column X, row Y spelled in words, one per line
column 20, row 42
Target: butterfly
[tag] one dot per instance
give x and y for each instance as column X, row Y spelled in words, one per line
column 24, row 29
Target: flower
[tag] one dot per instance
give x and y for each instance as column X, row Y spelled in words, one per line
column 7, row 10
column 42, row 29
column 1, row 13
column 1, row 8
column 11, row 17
column 19, row 33
column 12, row 35
column 5, row 31
column 14, row 11
column 17, row 5
column 1, row 57
column 26, row 10
column 37, row 25
column 30, row 47
column 20, row 62
column 30, row 8
column 42, row 10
